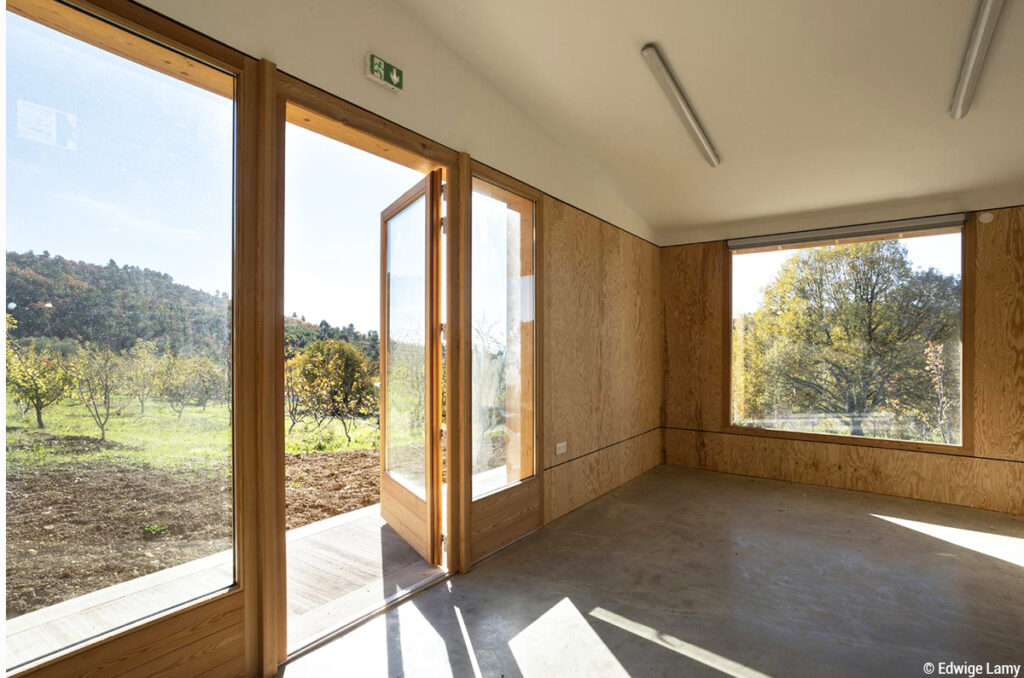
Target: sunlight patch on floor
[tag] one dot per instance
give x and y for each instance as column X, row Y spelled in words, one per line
column 560, row 638
column 698, row 654
column 1010, row 549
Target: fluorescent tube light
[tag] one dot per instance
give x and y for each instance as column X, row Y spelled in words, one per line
column 829, row 235
column 974, row 58
column 663, row 74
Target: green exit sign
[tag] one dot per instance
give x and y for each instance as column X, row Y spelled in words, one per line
column 383, row 73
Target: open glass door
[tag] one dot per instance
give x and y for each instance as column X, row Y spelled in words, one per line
column 410, row 392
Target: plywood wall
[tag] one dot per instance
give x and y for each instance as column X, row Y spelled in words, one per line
column 965, row 480
column 999, row 335
column 693, row 284
column 571, row 485
column 990, row 475
column 603, row 356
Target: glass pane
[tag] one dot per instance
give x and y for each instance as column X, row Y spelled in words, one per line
column 119, row 271
column 405, row 436
column 859, row 338
column 502, row 338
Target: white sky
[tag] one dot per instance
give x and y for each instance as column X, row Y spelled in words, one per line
column 334, row 194
column 752, row 272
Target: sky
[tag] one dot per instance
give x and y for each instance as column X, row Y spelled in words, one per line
column 752, row 272
column 334, row 195
column 107, row 159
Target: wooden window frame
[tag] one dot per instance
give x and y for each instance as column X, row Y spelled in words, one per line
column 222, row 631
column 967, row 424
column 500, row 517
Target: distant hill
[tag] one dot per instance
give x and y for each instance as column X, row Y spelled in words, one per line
column 113, row 305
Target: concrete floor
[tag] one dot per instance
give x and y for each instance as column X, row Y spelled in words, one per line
column 691, row 573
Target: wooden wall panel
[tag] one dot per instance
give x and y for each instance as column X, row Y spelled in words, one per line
column 603, row 335
column 503, row 517
column 578, row 481
column 999, row 336
column 693, row 286
column 950, row 479
column 572, row 292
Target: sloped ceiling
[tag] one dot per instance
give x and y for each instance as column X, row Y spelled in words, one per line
column 825, row 112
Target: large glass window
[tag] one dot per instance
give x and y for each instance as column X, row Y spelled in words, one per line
column 502, row 339
column 119, row 275
column 850, row 338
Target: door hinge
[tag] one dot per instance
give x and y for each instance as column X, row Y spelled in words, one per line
column 444, row 330
column 444, row 189
column 444, row 225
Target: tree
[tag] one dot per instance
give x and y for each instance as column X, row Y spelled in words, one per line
column 100, row 383
column 335, row 382
column 294, row 396
column 143, row 371
column 845, row 330
column 179, row 383
column 36, row 377
column 209, row 381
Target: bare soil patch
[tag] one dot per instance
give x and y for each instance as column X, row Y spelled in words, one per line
column 320, row 485
column 76, row 527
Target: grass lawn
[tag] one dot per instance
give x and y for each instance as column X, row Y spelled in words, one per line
column 199, row 438
column 159, row 437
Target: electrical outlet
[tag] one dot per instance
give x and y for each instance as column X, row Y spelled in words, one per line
column 561, row 448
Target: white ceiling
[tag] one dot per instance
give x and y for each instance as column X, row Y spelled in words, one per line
column 824, row 112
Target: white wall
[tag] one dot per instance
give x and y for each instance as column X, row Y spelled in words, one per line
column 324, row 42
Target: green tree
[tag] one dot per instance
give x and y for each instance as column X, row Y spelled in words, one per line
column 100, row 383
column 294, row 395
column 143, row 371
column 845, row 330
column 209, row 380
column 336, row 382
column 178, row 383
column 36, row 377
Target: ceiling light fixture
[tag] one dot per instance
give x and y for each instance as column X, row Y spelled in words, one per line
column 974, row 58
column 663, row 74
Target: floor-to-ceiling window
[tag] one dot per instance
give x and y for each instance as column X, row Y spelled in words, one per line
column 119, row 271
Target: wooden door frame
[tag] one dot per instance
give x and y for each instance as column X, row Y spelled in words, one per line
column 319, row 111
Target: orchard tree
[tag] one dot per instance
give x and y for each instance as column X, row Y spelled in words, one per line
column 36, row 377
column 336, row 383
column 209, row 381
column 178, row 385
column 294, row 392
column 100, row 383
column 143, row 370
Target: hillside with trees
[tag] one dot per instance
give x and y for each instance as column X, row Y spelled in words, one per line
column 110, row 337
column 114, row 306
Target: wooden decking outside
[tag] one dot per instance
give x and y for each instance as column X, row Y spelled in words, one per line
column 344, row 567
column 338, row 569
